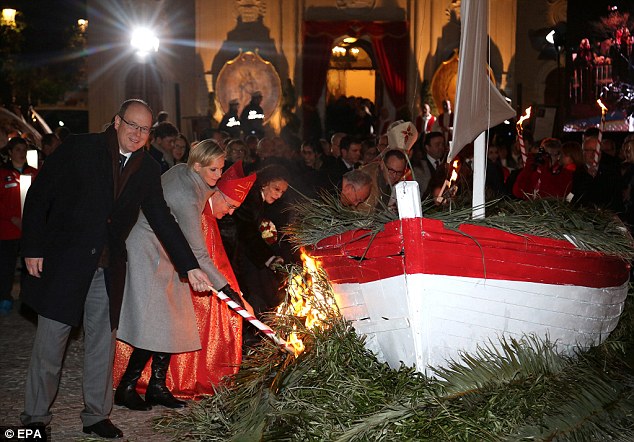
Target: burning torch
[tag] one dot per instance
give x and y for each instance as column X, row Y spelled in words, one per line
column 600, row 136
column 449, row 188
column 520, row 133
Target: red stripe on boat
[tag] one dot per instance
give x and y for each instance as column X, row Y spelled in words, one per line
column 422, row 245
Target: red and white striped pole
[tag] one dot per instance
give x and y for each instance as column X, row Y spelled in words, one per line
column 601, row 129
column 268, row 332
column 520, row 133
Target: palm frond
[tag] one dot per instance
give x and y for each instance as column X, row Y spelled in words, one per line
column 586, row 228
column 319, row 218
column 517, row 389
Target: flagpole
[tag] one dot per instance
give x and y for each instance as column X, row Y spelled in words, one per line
column 479, row 176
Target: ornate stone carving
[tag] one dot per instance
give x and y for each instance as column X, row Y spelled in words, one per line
column 250, row 10
column 245, row 74
column 453, row 10
column 355, row 4
column 557, row 11
column 445, row 80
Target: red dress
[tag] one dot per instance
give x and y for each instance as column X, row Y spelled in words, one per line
column 193, row 374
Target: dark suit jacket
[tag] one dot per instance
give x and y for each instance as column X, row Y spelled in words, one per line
column 158, row 156
column 438, row 176
column 80, row 210
column 335, row 172
column 247, row 218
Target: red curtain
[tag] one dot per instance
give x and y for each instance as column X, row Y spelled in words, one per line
column 390, row 42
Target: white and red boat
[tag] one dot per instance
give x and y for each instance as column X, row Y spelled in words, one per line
column 422, row 294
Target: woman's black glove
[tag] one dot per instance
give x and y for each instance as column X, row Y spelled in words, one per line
column 232, row 294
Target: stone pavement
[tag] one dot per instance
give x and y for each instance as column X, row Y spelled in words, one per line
column 16, row 339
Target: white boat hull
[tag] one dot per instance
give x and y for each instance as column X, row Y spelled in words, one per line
column 425, row 320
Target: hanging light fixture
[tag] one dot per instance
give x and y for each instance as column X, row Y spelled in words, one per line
column 8, row 17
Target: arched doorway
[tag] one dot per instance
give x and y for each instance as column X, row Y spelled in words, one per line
column 352, row 70
column 389, row 44
column 144, row 82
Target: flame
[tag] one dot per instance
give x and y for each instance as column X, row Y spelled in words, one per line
column 603, row 108
column 297, row 344
column 526, row 116
column 454, row 172
column 303, row 296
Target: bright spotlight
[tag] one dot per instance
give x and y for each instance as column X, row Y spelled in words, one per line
column 144, row 41
column 550, row 38
column 60, row 123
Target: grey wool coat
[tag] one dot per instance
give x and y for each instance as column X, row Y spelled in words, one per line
column 157, row 312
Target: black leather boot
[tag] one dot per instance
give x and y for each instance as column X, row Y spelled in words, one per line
column 125, row 394
column 157, row 392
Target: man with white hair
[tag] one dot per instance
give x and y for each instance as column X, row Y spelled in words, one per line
column 355, row 188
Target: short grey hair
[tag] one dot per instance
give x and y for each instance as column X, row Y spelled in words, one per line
column 358, row 178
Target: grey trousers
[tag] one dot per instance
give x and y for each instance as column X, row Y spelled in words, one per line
column 43, row 377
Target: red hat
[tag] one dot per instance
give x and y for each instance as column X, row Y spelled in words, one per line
column 234, row 184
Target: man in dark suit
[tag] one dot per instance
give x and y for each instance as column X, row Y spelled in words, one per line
column 350, row 155
column 77, row 217
column 435, row 160
column 164, row 137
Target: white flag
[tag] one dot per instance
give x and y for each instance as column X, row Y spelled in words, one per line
column 479, row 105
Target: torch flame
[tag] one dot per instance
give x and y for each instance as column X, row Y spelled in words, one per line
column 526, row 116
column 454, row 172
column 603, row 108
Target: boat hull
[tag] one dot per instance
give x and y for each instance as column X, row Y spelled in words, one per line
column 422, row 293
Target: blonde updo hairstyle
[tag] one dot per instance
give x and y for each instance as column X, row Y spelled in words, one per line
column 205, row 152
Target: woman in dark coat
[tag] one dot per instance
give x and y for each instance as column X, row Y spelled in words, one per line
column 255, row 256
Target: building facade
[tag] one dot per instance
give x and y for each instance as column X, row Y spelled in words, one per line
column 404, row 46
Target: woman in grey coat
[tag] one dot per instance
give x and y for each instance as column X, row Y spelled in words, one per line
column 157, row 315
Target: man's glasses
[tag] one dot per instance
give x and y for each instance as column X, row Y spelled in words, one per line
column 229, row 205
column 395, row 172
column 144, row 129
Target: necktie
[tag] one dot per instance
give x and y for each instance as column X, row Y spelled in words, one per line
column 437, row 163
column 122, row 159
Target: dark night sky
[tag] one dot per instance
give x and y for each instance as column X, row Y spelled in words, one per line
column 47, row 22
column 582, row 16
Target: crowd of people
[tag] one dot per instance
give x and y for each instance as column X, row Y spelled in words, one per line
column 132, row 243
column 599, row 63
column 592, row 173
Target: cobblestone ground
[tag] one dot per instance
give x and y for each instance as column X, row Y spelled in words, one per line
column 16, row 339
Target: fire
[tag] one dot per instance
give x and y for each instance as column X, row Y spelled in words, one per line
column 304, row 297
column 448, row 189
column 526, row 116
column 603, row 108
column 295, row 342
column 454, row 172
